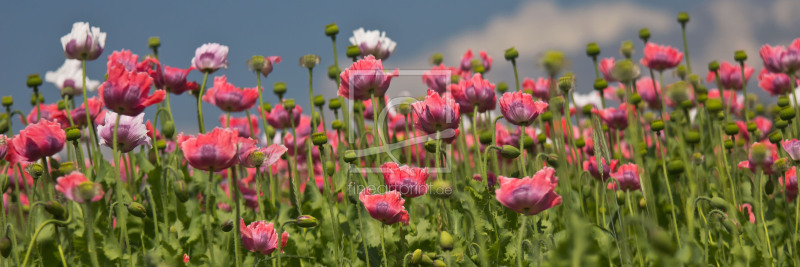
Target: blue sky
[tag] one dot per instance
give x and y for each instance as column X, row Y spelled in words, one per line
column 290, row 29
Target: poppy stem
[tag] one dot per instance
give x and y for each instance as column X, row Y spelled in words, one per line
column 686, row 48
column 122, row 212
column 383, row 245
column 237, row 226
column 331, row 202
column 759, row 181
column 89, row 123
column 669, row 192
column 209, row 238
column 521, row 234
column 744, row 92
column 481, row 165
column 200, row 102
column 516, row 74
column 89, row 225
column 375, row 140
column 522, row 161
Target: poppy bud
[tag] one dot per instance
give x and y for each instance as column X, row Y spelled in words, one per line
column 5, row 246
column 527, row 141
column 437, row 58
column 626, row 49
column 306, row 221
column 161, row 144
column 675, row 167
column 644, row 34
column 642, row 203
column 719, row 203
column 333, row 72
column 714, row 105
column 279, row 88
column 657, row 125
column 787, row 113
column 477, row 66
column 660, row 240
column 319, row 101
column 8, row 101
column 73, row 133
column 509, row 152
column 439, row 263
column 783, row 101
column 416, row 257
column 781, row 124
column 683, row 18
column 600, row 84
column 334, row 104
column 485, row 137
column 430, row 146
column 35, row 170
column 137, row 209
column 511, row 53
column 181, row 190
column 445, row 241
column 501, row 87
column 337, row 125
column 547, row 116
column 353, row 51
column 731, row 129
column 592, row 50
column 288, row 104
column 552, row 160
column 331, row 30
column 440, row 188
column 740, row 55
column 692, row 137
column 681, row 71
column 553, row 61
column 541, row 138
column 580, row 143
column 34, row 80
column 728, row 144
column 154, row 42
column 66, row 167
column 426, row 260
column 769, row 186
column 227, row 226
column 713, row 66
column 330, row 168
column 635, row 99
column 731, row 227
column 61, row 105
column 309, row 61
column 350, row 156
column 56, row 209
column 620, row 197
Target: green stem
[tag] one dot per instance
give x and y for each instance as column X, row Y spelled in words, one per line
column 686, row 48
column 481, row 167
column 209, row 238
column 360, row 222
column 761, row 208
column 331, row 203
column 200, row 104
column 521, row 234
column 669, row 192
column 744, row 91
column 293, row 176
column 122, row 212
column 522, row 161
column 516, row 74
column 89, row 123
column 376, row 141
column 236, row 239
column 311, row 96
column 383, row 245
column 88, row 224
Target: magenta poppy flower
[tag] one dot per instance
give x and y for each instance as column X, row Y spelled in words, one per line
column 241, row 124
column 84, row 42
column 775, row 84
column 763, row 125
column 271, row 153
column 210, row 57
column 212, row 151
column 540, row 87
column 38, row 140
column 365, row 76
column 373, row 43
column 261, row 237
column 173, row 80
column 792, row 147
column 490, row 175
column 96, row 112
column 131, row 132
column 644, row 87
column 780, row 59
column 130, row 61
column 730, row 75
column 126, row 92
column 751, row 216
column 627, row 178
column 409, row 181
column 279, row 118
column 470, row 93
column 436, row 113
column 590, row 165
column 387, row 208
column 50, row 112
column 789, row 181
column 518, row 108
column 439, row 77
column 229, row 98
column 529, row 195
column 70, row 185
column 606, row 65
column 466, row 61
column 615, row 118
column 661, row 57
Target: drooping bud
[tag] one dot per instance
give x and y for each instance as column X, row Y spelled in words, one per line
column 445, row 241
column 181, row 190
column 416, row 257
column 331, row 30
column 168, row 129
column 485, row 137
column 227, row 226
column 56, row 209
column 511, row 53
column 137, row 209
column 330, row 168
column 509, row 152
column 306, row 221
column 5, row 246
column 439, row 263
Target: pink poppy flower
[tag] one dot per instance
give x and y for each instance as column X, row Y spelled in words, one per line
column 615, row 118
column 644, row 87
column 775, row 84
column 70, row 185
column 210, row 57
column 762, row 155
column 529, row 195
column 409, row 181
column 38, row 140
column 540, row 87
column 792, row 147
column 268, row 66
column 130, row 61
column 365, row 76
column 279, row 118
column 728, row 97
column 789, row 181
column 660, row 57
column 387, row 208
column 751, row 216
column 247, row 146
column 49, row 112
column 96, row 113
column 590, row 165
column 730, row 75
column 211, row 151
column 439, row 77
column 261, row 237
column 606, row 65
column 627, row 178
column 241, row 124
column 173, row 80
column 474, row 92
column 518, row 108
column 436, row 113
column 230, row 98
column 466, row 61
column 3, row 146
column 780, row 59
column 126, row 92
column 131, row 132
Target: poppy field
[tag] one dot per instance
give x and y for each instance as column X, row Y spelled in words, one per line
column 654, row 160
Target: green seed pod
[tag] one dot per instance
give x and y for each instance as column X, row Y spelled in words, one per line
column 445, row 241
column 34, row 80
column 553, row 62
column 759, row 109
column 600, row 84
column 675, row 167
column 334, row 103
column 784, row 101
column 509, row 152
column 636, row 99
column 270, row 131
column 5, row 246
column 3, row 126
column 501, row 87
column 330, row 168
column 306, row 221
column 137, row 209
column 731, row 129
column 719, row 203
column 620, row 197
column 153, row 42
column 331, row 29
column 713, row 66
column 337, row 125
column 353, row 51
column 657, row 125
column 681, row 71
column 781, row 124
column 592, row 50
column 683, row 18
column 288, row 104
column 692, row 137
column 547, row 116
column 728, row 144
column 430, row 146
column 511, row 53
column 714, row 105
column 319, row 101
column 626, row 49
column 740, row 55
column 751, row 126
column 775, row 137
column 436, row 59
column 485, row 137
column 309, row 61
column 279, row 88
column 66, row 167
column 73, row 133
column 168, row 129
column 87, row 191
column 787, row 114
column 8, row 101
column 542, row 138
column 350, row 156
column 227, row 226
column 440, row 188
column 56, row 209
column 644, row 34
column 181, row 190
column 580, row 143
column 35, row 170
